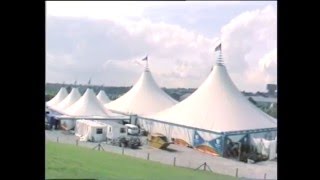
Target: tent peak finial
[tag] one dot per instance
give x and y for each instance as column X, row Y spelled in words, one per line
column 147, row 66
column 147, row 63
column 219, row 59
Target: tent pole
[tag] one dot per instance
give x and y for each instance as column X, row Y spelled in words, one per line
column 239, row 154
column 223, row 137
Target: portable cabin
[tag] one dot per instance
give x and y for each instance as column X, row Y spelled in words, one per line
column 89, row 130
column 114, row 129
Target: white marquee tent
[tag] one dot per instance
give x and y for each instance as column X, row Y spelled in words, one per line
column 144, row 98
column 215, row 111
column 87, row 105
column 63, row 93
column 102, row 97
column 68, row 101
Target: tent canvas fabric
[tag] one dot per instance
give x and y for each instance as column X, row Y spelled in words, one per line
column 217, row 107
column 63, row 93
column 68, row 101
column 102, row 97
column 87, row 105
column 266, row 147
column 144, row 98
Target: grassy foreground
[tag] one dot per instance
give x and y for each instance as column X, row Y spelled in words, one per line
column 70, row 161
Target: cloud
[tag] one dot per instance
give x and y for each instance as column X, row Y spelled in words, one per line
column 109, row 50
column 266, row 71
column 120, row 9
column 269, row 61
column 96, row 10
column 97, row 44
column 249, row 42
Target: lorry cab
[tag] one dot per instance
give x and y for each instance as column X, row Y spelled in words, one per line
column 132, row 129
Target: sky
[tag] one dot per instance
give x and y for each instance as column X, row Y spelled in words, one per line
column 106, row 41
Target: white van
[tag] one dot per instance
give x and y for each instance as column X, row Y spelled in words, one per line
column 132, row 129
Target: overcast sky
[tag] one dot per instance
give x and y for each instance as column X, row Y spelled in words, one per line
column 107, row 40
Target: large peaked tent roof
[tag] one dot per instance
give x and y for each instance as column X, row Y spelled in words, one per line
column 102, row 97
column 144, row 98
column 87, row 105
column 63, row 93
column 218, row 106
column 68, row 101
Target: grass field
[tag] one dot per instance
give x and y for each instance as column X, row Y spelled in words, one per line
column 70, row 161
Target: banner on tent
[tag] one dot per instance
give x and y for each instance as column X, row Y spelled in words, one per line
column 216, row 144
column 210, row 140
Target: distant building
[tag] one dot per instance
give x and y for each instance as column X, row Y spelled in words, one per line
column 262, row 102
column 272, row 90
column 247, row 93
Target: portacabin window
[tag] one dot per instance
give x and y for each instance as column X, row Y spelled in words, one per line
column 99, row 131
column 122, row 130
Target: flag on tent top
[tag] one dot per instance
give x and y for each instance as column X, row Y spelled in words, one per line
column 145, row 59
column 218, row 48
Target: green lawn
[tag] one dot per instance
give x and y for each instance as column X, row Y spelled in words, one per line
column 70, row 161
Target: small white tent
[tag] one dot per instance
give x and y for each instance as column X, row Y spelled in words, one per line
column 103, row 98
column 63, row 93
column 68, row 101
column 144, row 98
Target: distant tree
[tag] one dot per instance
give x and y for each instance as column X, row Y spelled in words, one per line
column 272, row 111
column 252, row 101
column 175, row 96
column 69, row 89
column 48, row 97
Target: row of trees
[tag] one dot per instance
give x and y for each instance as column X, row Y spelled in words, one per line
column 112, row 92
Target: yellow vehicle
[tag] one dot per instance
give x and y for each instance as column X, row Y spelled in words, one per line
column 158, row 140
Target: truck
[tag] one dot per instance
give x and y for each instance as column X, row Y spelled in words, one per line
column 132, row 129
column 120, row 135
column 130, row 141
